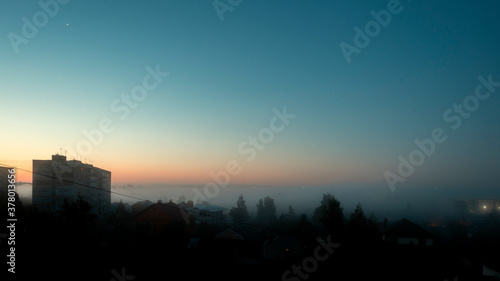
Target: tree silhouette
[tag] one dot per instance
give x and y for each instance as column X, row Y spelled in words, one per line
column 120, row 209
column 331, row 214
column 358, row 216
column 291, row 211
column 77, row 212
column 240, row 212
column 304, row 229
column 260, row 210
column 266, row 210
column 360, row 228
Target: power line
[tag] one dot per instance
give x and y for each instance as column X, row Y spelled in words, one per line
column 72, row 182
column 129, row 196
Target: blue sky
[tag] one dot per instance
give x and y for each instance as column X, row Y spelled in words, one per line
column 353, row 119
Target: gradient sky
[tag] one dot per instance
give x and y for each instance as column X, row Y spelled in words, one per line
column 352, row 119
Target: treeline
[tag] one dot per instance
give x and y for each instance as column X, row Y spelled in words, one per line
column 328, row 219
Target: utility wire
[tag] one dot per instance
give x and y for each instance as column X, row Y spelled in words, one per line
column 72, row 182
column 129, row 196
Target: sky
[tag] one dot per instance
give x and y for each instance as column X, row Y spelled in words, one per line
column 231, row 66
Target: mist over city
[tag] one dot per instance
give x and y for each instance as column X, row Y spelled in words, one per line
column 249, row 140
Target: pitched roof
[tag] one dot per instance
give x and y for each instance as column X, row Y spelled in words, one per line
column 142, row 203
column 169, row 209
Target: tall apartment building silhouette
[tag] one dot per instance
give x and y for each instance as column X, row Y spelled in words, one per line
column 57, row 180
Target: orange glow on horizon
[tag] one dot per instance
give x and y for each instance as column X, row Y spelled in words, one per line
column 269, row 172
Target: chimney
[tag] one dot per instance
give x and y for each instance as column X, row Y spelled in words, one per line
column 190, row 203
column 159, row 201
